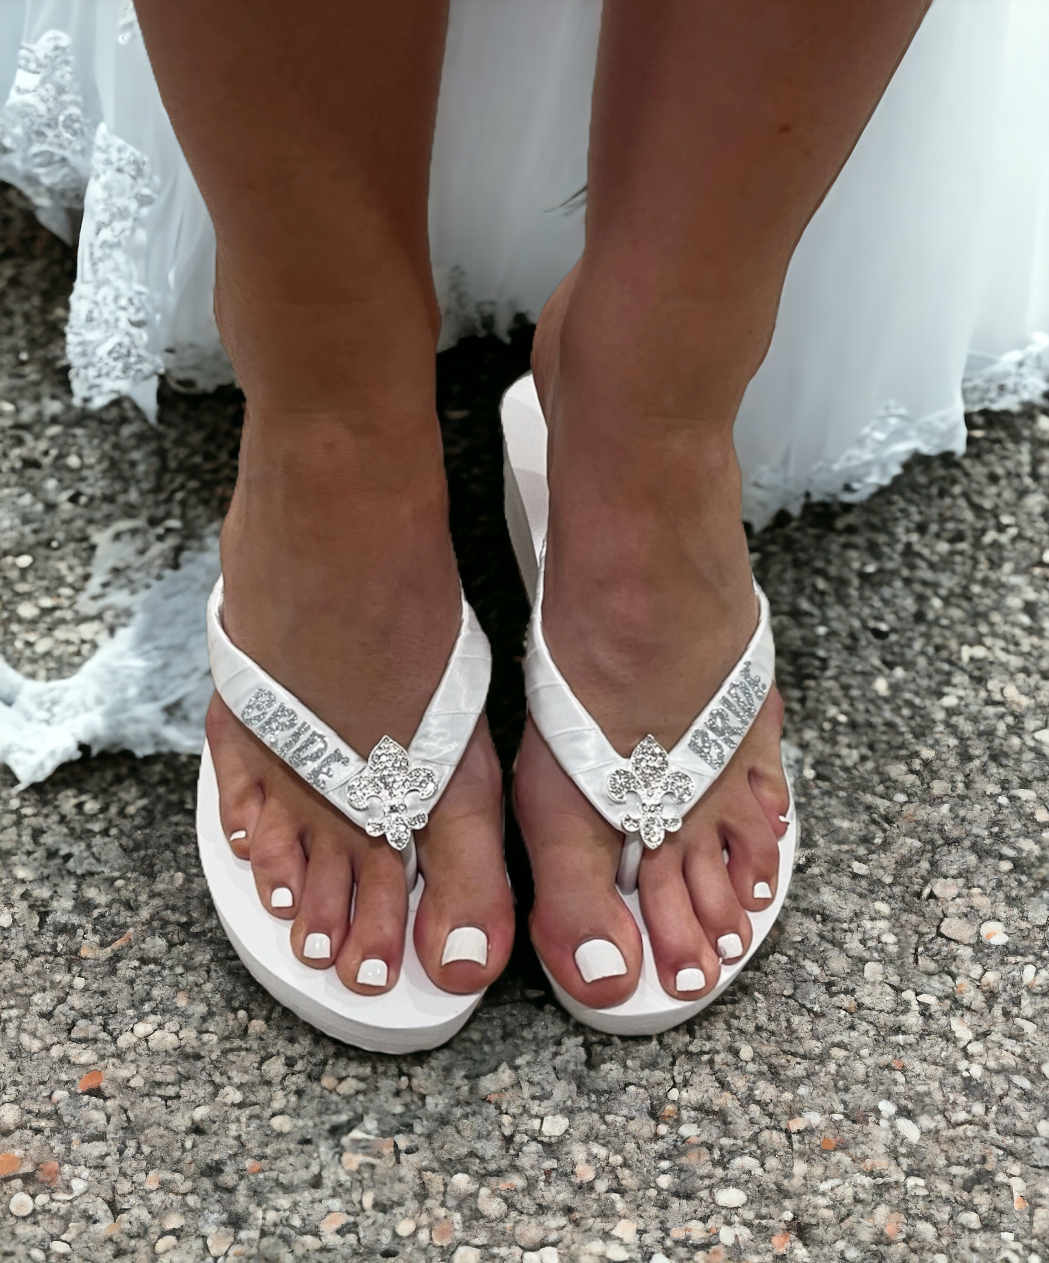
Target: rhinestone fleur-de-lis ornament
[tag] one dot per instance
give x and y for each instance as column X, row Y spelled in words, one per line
column 389, row 778
column 651, row 780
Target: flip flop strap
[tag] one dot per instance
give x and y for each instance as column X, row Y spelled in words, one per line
column 649, row 793
column 392, row 791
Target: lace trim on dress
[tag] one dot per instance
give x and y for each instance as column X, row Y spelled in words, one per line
column 146, row 690
column 45, row 145
column 1006, row 384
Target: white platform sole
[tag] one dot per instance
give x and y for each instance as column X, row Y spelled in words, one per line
column 649, row 1010
column 412, row 1016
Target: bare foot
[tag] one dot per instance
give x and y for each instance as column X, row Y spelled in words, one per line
column 341, row 582
column 648, row 605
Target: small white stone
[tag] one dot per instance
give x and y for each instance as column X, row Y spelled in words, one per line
column 27, row 611
column 10, row 1118
column 219, row 1242
column 958, row 930
column 61, row 1247
column 163, row 1041
column 466, row 1254
column 405, row 1227
column 887, row 1108
column 730, row 1197
column 281, row 1123
column 165, row 1244
column 969, row 1219
column 554, row 1125
column 746, row 1053
column 874, row 971
column 881, row 686
column 909, row 1130
column 21, row 1205
column 24, row 561
column 993, row 932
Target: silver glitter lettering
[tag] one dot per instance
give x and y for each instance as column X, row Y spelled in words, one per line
column 296, row 736
column 708, row 748
column 308, row 751
column 722, row 727
column 257, row 705
column 753, row 681
column 325, row 768
column 276, row 722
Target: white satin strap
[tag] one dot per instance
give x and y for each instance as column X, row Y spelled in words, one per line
column 321, row 757
column 687, row 771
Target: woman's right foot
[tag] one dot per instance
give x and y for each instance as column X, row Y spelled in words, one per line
column 341, row 583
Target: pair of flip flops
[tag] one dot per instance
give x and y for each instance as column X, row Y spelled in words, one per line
column 391, row 792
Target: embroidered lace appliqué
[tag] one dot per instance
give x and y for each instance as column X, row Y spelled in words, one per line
column 45, row 141
column 111, row 312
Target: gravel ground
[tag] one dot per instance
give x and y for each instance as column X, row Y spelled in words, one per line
column 873, row 1088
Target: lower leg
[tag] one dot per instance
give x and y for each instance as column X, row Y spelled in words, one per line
column 716, row 132
column 309, row 133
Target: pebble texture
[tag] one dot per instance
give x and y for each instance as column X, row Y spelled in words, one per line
column 873, row 1089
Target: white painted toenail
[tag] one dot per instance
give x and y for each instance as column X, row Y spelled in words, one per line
column 373, row 973
column 784, row 819
column 730, row 946
column 762, row 890
column 466, row 942
column 598, row 958
column 724, row 853
column 690, row 980
column 317, row 947
column 281, row 898
column 238, row 835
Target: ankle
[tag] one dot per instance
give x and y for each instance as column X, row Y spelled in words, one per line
column 620, row 343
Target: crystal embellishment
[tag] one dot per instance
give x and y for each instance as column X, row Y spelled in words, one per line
column 389, row 778
column 651, row 780
column 728, row 722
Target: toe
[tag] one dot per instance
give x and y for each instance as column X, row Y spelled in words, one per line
column 237, row 773
column 370, row 959
column 688, row 965
column 278, row 863
column 581, row 928
column 724, row 921
column 753, row 864
column 465, row 924
column 323, row 915
column 768, row 781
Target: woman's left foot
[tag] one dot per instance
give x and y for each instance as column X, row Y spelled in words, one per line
column 649, row 603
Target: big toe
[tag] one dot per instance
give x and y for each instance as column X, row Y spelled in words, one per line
column 464, row 927
column 581, row 928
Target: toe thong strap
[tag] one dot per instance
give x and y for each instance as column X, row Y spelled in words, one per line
column 647, row 795
column 392, row 791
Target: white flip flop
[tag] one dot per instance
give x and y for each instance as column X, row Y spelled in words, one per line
column 647, row 795
column 388, row 794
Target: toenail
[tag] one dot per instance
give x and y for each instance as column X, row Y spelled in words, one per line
column 784, row 819
column 281, row 898
column 730, row 946
column 724, row 853
column 466, row 942
column 690, row 980
column 373, row 973
column 598, row 958
column 238, row 835
column 317, row 947
column 762, row 890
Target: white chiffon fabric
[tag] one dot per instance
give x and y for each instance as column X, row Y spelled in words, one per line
column 921, row 287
